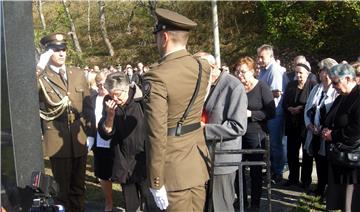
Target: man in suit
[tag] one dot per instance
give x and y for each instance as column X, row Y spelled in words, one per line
column 225, row 121
column 176, row 149
column 62, row 90
column 275, row 76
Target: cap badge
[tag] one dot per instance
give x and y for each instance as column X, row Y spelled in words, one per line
column 59, row 37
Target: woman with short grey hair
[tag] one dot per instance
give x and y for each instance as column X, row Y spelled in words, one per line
column 123, row 123
column 343, row 125
column 317, row 106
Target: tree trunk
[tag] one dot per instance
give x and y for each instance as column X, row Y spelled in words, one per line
column 89, row 24
column 72, row 28
column 103, row 27
column 130, row 19
column 152, row 7
column 42, row 18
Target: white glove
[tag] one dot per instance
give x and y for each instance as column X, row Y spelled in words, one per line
column 44, row 59
column 90, row 142
column 160, row 197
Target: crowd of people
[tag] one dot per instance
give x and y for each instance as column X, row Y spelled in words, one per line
column 144, row 126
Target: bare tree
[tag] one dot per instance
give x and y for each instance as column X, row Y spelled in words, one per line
column 89, row 23
column 72, row 28
column 130, row 19
column 152, row 7
column 103, row 27
column 41, row 14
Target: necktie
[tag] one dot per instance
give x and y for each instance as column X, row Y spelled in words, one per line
column 62, row 76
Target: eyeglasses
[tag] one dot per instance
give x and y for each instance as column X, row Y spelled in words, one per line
column 242, row 72
column 100, row 84
column 118, row 92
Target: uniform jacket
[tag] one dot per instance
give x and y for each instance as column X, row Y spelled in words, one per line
column 60, row 139
column 178, row 162
column 225, row 109
column 127, row 141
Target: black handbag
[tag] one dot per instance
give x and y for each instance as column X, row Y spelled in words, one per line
column 344, row 155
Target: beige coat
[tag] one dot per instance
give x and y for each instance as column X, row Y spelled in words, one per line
column 176, row 162
column 60, row 139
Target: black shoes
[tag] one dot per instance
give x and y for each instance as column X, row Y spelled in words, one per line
column 290, row 183
column 277, row 179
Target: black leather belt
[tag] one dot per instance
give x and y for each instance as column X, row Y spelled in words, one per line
column 176, row 131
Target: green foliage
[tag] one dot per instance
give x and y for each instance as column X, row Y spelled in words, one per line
column 310, row 203
column 314, row 29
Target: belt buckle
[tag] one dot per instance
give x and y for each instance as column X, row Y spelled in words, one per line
column 71, row 117
column 178, row 129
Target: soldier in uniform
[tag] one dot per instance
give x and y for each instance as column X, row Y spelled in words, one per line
column 176, row 149
column 62, row 91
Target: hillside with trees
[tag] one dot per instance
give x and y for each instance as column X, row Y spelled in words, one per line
column 119, row 32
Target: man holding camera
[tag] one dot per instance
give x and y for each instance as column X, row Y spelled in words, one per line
column 62, row 91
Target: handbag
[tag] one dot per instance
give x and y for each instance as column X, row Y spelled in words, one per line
column 344, row 155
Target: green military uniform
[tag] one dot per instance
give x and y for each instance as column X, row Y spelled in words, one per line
column 63, row 125
column 178, row 162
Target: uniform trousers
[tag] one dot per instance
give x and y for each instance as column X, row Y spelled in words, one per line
column 69, row 173
column 224, row 192
column 191, row 199
column 137, row 196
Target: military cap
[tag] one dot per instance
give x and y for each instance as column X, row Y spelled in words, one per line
column 169, row 20
column 55, row 40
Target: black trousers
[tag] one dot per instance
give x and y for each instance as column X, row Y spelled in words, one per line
column 252, row 141
column 137, row 196
column 321, row 166
column 295, row 139
column 69, row 173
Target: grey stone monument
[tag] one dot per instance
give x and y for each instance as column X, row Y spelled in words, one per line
column 21, row 148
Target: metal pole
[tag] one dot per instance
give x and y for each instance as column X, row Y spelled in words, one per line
column 216, row 33
column 268, row 171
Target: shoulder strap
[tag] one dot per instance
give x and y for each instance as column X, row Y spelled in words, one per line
column 53, row 86
column 192, row 100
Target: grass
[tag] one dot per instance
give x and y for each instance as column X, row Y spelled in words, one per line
column 93, row 191
column 309, row 203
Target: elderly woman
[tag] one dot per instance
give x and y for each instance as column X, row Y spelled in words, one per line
column 343, row 124
column 123, row 123
column 261, row 107
column 317, row 106
column 295, row 97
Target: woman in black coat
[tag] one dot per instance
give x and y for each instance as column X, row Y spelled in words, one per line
column 295, row 97
column 343, row 125
column 123, row 123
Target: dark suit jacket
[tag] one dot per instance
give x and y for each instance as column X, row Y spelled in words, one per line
column 60, row 139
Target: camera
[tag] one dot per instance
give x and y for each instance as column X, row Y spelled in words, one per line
column 45, row 189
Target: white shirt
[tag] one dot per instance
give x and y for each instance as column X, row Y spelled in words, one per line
column 56, row 69
column 98, row 114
